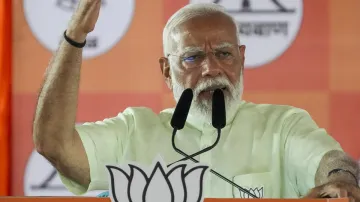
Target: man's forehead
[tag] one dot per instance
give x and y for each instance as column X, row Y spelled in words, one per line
column 193, row 30
column 203, row 31
column 186, row 41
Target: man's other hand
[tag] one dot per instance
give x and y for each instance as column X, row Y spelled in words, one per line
column 336, row 190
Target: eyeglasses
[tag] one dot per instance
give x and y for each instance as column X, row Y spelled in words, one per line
column 193, row 59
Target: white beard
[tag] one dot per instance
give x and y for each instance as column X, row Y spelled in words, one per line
column 203, row 108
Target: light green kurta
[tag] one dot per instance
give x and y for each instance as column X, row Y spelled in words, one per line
column 273, row 150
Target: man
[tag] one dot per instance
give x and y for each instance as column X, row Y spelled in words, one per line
column 276, row 149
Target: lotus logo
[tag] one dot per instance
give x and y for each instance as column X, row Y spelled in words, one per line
column 180, row 182
column 258, row 191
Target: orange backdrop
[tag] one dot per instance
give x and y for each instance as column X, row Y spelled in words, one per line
column 318, row 72
column 5, row 95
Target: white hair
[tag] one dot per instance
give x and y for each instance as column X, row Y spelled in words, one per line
column 188, row 12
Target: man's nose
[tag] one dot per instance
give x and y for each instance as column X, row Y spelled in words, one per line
column 211, row 67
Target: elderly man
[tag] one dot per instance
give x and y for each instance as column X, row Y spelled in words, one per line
column 276, row 149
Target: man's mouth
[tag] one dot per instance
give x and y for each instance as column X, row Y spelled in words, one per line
column 209, row 91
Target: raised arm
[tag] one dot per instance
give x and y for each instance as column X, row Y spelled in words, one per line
column 54, row 131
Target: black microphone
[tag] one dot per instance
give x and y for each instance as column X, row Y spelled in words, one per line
column 218, row 109
column 182, row 109
column 219, row 121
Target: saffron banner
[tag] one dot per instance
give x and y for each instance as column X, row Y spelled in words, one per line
column 5, row 94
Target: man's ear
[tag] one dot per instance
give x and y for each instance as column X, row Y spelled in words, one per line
column 165, row 71
column 242, row 54
column 242, row 57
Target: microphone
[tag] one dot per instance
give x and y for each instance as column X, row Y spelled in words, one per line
column 218, row 110
column 219, row 121
column 182, row 110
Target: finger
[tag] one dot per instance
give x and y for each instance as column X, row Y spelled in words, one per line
column 329, row 193
column 334, row 192
column 314, row 193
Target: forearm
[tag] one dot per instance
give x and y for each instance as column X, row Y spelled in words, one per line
column 337, row 160
column 57, row 103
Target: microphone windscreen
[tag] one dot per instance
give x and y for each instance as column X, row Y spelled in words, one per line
column 182, row 109
column 218, row 109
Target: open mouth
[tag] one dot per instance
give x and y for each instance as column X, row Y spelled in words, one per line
column 211, row 90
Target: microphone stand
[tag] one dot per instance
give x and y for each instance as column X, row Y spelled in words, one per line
column 197, row 153
column 211, row 170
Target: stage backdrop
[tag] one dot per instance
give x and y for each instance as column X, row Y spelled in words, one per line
column 306, row 56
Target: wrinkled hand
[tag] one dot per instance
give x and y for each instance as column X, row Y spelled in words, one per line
column 336, row 190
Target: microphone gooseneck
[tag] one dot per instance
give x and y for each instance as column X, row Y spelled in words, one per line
column 219, row 121
column 197, row 153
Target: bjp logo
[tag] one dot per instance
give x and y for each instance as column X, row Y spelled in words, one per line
column 157, row 183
